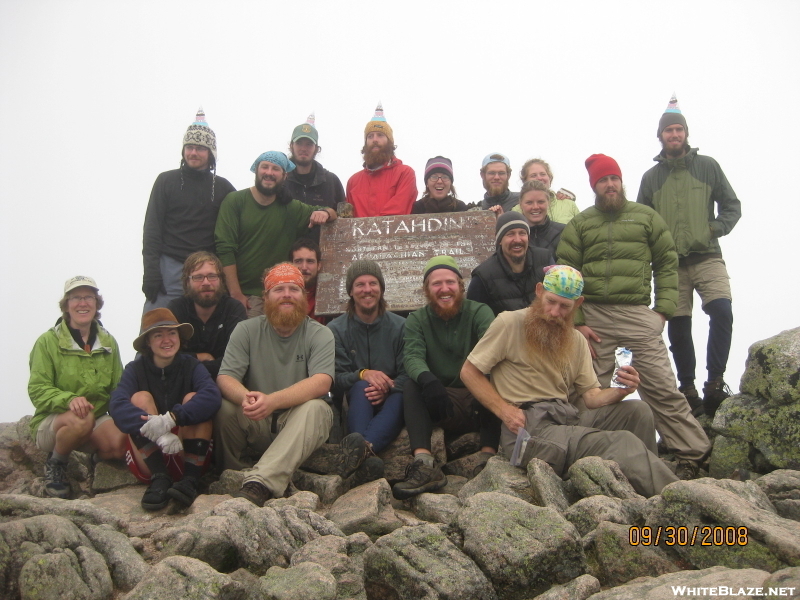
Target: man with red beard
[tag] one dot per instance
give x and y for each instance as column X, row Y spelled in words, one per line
column 206, row 305
column 276, row 370
column 438, row 338
column 256, row 227
column 385, row 186
column 536, row 359
column 619, row 246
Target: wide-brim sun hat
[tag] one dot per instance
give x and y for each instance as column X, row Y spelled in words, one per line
column 158, row 318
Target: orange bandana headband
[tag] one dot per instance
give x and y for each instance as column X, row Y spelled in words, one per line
column 283, row 273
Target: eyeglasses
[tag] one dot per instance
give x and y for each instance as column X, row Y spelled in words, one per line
column 79, row 299
column 497, row 173
column 193, row 148
column 437, row 176
column 198, row 278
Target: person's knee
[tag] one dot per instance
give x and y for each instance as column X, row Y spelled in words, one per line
column 188, row 397
column 226, row 422
column 640, row 411
column 358, row 391
column 720, row 309
column 145, row 401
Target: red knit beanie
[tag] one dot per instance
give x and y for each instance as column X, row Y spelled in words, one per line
column 599, row 166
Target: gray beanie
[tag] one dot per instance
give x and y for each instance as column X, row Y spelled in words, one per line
column 508, row 221
column 363, row 267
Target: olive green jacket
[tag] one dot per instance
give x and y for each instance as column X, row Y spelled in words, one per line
column 684, row 191
column 619, row 253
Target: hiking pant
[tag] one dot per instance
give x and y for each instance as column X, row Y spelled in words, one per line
column 379, row 425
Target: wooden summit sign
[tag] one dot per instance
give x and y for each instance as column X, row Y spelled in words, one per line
column 401, row 245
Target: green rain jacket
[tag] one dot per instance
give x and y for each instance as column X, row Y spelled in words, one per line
column 61, row 370
column 683, row 191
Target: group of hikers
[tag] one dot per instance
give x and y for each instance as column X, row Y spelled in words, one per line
column 235, row 370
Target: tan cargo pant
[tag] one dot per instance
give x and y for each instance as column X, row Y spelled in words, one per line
column 639, row 328
column 274, row 455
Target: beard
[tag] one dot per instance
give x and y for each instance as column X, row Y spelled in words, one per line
column 495, row 190
column 375, row 156
column 269, row 192
column 679, row 151
column 285, row 320
column 549, row 337
column 448, row 312
column 606, row 204
column 206, row 301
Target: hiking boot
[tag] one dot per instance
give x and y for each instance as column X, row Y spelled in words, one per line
column 419, row 478
column 55, row 478
column 355, row 450
column 687, row 469
column 370, row 470
column 155, row 497
column 714, row 392
column 256, row 492
column 184, row 491
column 693, row 398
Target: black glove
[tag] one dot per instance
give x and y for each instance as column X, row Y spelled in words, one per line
column 436, row 398
column 152, row 287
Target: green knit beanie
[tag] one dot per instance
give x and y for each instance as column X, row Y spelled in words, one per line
column 441, row 262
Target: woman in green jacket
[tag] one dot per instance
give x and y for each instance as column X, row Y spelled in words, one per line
column 74, row 368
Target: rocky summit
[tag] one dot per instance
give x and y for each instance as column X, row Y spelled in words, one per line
column 506, row 534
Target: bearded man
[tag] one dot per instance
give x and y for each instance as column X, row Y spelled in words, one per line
column 275, row 373
column 619, row 246
column 209, row 308
column 256, row 227
column 536, row 359
column 438, row 337
column 385, row 186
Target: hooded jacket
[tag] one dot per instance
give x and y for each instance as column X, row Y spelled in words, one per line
column 683, row 191
column 377, row 345
column 61, row 370
column 619, row 253
column 387, row 190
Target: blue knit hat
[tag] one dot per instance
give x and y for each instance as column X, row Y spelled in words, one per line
column 275, row 157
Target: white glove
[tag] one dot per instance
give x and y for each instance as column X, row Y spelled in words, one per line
column 170, row 443
column 156, row 426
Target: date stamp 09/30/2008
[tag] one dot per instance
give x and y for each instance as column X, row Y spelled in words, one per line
column 705, row 535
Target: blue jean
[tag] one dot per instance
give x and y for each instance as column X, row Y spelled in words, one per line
column 379, row 425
